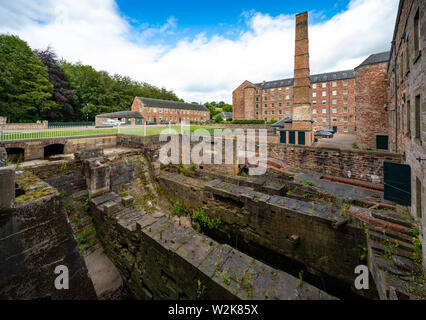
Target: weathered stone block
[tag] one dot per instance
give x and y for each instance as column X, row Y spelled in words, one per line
column 89, row 153
column 127, row 201
column 7, row 187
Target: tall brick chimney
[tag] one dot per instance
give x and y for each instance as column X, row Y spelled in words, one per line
column 302, row 115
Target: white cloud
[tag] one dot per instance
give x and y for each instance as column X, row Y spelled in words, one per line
column 198, row 69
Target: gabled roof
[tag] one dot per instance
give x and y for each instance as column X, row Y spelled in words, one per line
column 280, row 124
column 321, row 77
column 224, row 115
column 376, row 58
column 171, row 104
column 121, row 114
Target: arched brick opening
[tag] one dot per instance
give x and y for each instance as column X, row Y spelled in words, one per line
column 15, row 155
column 53, row 149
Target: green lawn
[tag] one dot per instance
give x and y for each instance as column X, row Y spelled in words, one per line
column 164, row 130
column 123, row 130
column 54, row 134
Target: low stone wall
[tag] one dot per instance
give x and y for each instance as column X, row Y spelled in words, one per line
column 315, row 235
column 34, row 149
column 162, row 259
column 355, row 164
column 23, row 126
column 35, row 238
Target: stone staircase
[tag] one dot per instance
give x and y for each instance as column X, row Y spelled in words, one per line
column 391, row 256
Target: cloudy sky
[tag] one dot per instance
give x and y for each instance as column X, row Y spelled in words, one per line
column 201, row 51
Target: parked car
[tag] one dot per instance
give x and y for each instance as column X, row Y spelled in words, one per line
column 148, row 123
column 164, row 122
column 323, row 134
column 112, row 122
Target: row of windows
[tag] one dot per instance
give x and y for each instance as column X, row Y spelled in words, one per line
column 265, row 91
column 172, row 110
column 324, row 93
column 171, row 118
column 287, row 97
column 333, row 101
column 334, row 119
column 334, row 110
column 333, row 84
column 314, row 86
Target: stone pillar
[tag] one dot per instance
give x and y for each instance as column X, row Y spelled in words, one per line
column 98, row 177
column 302, row 116
column 3, row 157
column 7, row 186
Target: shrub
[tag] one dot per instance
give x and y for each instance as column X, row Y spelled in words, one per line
column 248, row 121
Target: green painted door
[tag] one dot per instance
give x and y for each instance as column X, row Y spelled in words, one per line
column 138, row 121
column 128, row 121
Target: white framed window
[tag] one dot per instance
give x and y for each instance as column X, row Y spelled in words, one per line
column 324, row 102
column 324, row 93
column 345, row 129
column 314, row 86
column 265, row 91
column 272, row 105
column 345, row 100
column 280, row 97
column 280, row 112
column 314, row 102
column 324, row 110
column 345, row 91
column 334, row 110
column 345, row 82
column 314, row 111
column 287, row 89
column 280, row 104
column 314, row 94
column 334, row 101
column 265, row 98
column 334, row 119
column 272, row 112
column 266, row 112
column 345, row 119
column 287, row 112
column 280, row 89
column 287, row 97
column 272, row 90
column 324, row 119
column 324, row 85
column 334, row 83
column 334, row 92
column 272, row 98
column 314, row 119
column 345, row 110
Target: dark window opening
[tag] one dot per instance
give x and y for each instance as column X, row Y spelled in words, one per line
column 15, row 155
column 53, row 149
column 417, row 118
column 419, row 198
column 417, row 35
column 408, row 119
column 382, row 142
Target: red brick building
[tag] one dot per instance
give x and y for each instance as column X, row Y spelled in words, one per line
column 371, row 102
column 156, row 110
column 332, row 100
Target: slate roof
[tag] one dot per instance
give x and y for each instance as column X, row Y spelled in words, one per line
column 171, row 104
column 121, row 114
column 280, row 124
column 224, row 115
column 375, row 59
column 322, row 77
